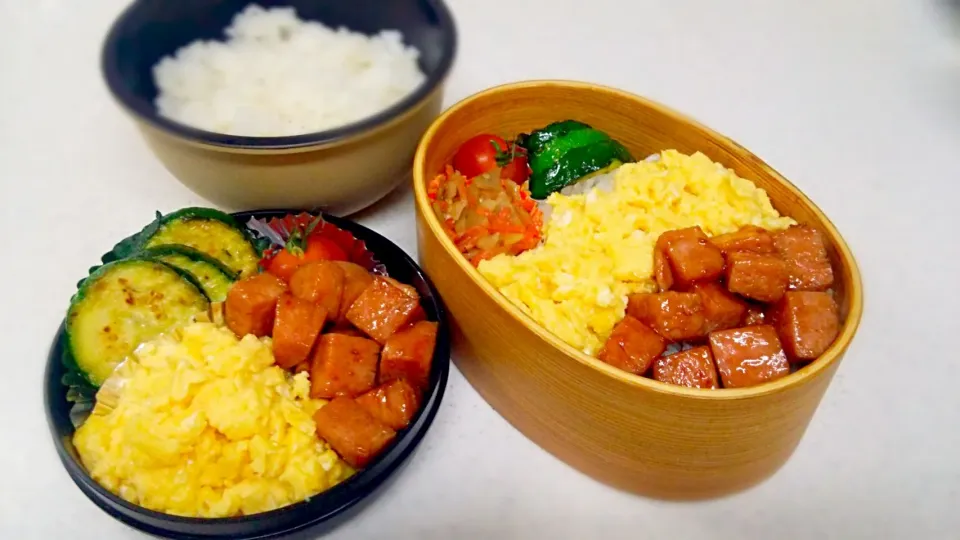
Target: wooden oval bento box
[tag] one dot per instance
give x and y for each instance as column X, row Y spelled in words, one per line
column 627, row 431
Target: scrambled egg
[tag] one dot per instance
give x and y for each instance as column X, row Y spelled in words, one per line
column 598, row 246
column 207, row 426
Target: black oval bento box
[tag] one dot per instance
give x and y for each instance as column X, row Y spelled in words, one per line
column 320, row 512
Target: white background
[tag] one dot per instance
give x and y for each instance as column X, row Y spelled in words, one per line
column 857, row 101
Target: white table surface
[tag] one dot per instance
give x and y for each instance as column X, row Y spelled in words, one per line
column 857, row 101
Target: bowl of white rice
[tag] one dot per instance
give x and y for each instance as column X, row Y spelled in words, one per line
column 293, row 104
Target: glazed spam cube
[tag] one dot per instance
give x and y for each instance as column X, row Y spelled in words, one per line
column 749, row 238
column 343, row 366
column 632, row 346
column 408, row 353
column 351, row 431
column 748, row 356
column 320, row 282
column 676, row 316
column 756, row 276
column 295, row 329
column 803, row 250
column 383, row 307
column 686, row 256
column 393, row 404
column 251, row 305
column 692, row 368
column 721, row 309
column 807, row 323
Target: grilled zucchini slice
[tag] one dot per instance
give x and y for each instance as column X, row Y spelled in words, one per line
column 207, row 230
column 214, row 278
column 121, row 305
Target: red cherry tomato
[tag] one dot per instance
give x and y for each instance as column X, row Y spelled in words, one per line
column 479, row 154
column 517, row 169
column 318, row 248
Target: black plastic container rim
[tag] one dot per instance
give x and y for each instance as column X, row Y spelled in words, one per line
column 347, row 494
column 147, row 112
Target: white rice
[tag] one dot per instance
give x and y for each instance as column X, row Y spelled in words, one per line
column 278, row 75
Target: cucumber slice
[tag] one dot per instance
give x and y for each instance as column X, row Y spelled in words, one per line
column 214, row 278
column 121, row 305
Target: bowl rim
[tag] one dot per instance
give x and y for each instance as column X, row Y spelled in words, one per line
column 807, row 373
column 146, row 112
column 347, row 494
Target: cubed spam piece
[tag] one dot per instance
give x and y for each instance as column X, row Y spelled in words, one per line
column 383, row 307
column 632, row 346
column 296, row 327
column 755, row 316
column 320, row 282
column 756, row 276
column 251, row 304
column 352, row 432
column 808, row 265
column 749, row 238
column 748, row 356
column 676, row 316
column 721, row 310
column 393, row 404
column 692, row 368
column 408, row 355
column 356, row 280
column 343, row 366
column 807, row 323
column 691, row 257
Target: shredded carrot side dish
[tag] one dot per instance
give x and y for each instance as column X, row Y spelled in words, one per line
column 486, row 215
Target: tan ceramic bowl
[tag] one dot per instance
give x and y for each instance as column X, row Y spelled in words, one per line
column 340, row 170
column 627, row 431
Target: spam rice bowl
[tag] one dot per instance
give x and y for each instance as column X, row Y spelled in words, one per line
column 593, row 410
column 240, row 429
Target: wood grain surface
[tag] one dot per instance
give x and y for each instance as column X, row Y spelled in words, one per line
column 627, row 431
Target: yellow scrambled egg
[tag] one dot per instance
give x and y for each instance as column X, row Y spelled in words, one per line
column 205, row 425
column 598, row 246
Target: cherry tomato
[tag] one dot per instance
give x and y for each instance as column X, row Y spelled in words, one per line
column 318, row 248
column 479, row 155
column 517, row 169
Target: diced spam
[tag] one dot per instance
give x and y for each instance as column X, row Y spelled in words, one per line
column 756, row 276
column 807, row 322
column 394, row 404
column 343, row 366
column 748, row 356
column 251, row 304
column 296, row 327
column 691, row 255
column 676, row 316
column 356, row 280
column 632, row 346
column 408, row 354
column 692, row 368
column 721, row 310
column 661, row 270
column 383, row 308
column 748, row 238
column 321, row 282
column 808, row 265
column 352, row 432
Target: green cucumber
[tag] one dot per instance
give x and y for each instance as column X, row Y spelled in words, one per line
column 215, row 278
column 576, row 164
column 118, row 307
column 211, row 231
